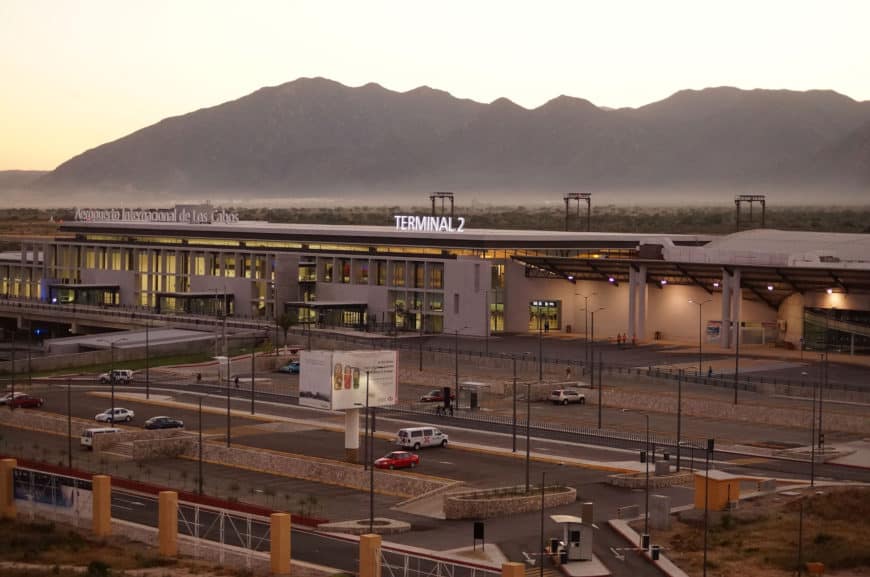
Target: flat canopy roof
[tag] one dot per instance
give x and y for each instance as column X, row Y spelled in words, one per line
column 769, row 284
column 87, row 286
column 326, row 304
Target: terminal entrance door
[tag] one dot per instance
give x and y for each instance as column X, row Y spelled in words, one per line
column 545, row 316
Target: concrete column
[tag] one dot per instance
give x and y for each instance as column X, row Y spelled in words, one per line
column 279, row 543
column 725, row 334
column 351, row 435
column 632, row 300
column 512, row 569
column 167, row 524
column 102, row 505
column 641, row 304
column 370, row 555
column 7, row 496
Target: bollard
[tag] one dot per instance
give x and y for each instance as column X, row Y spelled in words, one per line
column 279, row 548
column 370, row 555
column 102, row 505
column 7, row 494
column 512, row 569
column 167, row 523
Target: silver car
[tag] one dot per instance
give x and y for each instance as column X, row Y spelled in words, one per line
column 565, row 396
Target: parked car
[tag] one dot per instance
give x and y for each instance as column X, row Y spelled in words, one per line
column 163, row 422
column 115, row 415
column 25, row 401
column 398, row 460
column 116, row 376
column 436, row 395
column 565, row 396
column 291, row 368
column 4, row 400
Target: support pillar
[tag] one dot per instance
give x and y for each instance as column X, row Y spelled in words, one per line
column 7, row 494
column 279, row 543
column 725, row 333
column 370, row 555
column 512, row 569
column 632, row 301
column 167, row 523
column 102, row 505
column 641, row 304
column 351, row 435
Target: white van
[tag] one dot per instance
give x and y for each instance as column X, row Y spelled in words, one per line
column 419, row 437
column 88, row 435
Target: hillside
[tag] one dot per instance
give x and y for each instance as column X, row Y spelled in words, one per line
column 318, row 138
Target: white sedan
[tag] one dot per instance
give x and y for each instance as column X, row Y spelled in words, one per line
column 115, row 415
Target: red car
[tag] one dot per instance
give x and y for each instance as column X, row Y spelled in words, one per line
column 398, row 460
column 436, row 395
column 25, row 401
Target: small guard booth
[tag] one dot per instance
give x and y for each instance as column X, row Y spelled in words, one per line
column 576, row 538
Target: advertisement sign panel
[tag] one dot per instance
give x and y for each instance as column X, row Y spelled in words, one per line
column 337, row 379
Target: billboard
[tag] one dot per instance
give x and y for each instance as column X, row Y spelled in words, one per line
column 337, row 379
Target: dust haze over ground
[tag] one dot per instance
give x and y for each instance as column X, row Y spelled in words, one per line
column 26, row 197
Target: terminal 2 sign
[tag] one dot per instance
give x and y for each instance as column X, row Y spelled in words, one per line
column 409, row 223
column 182, row 214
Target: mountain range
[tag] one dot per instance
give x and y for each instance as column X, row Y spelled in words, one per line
column 316, row 138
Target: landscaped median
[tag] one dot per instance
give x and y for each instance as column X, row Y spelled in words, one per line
column 503, row 501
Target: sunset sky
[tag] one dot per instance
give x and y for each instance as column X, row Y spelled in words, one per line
column 78, row 73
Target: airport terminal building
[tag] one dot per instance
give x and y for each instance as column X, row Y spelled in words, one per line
column 437, row 274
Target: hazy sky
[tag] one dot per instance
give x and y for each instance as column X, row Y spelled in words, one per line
column 78, row 73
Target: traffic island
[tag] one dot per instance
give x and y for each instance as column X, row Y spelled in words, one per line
column 504, row 501
column 378, row 525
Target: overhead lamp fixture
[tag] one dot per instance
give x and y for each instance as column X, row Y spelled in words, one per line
column 770, row 287
column 830, row 291
column 610, row 279
column 715, row 284
column 663, row 282
column 570, row 277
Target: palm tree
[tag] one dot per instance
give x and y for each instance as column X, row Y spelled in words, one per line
column 285, row 321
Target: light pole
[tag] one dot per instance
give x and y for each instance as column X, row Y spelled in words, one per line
column 528, row 431
column 813, row 433
column 586, row 325
column 707, row 456
column 645, row 537
column 700, row 350
column 147, row 362
column 253, row 370
column 540, row 347
column 199, row 480
column 514, row 421
column 679, row 415
column 736, row 357
column 592, row 358
column 68, row 424
column 370, row 447
column 112, row 345
column 543, row 486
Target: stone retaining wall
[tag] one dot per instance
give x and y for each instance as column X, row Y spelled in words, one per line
column 638, row 480
column 504, row 501
column 319, row 470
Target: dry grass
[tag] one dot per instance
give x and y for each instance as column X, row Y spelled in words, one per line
column 37, row 549
column 761, row 538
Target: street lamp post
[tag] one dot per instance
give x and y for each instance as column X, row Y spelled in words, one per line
column 543, row 485
column 645, row 536
column 199, row 473
column 586, row 326
column 540, row 347
column 253, row 371
column 514, row 421
column 592, row 358
column 679, row 415
column 707, row 455
column 700, row 342
column 736, row 357
column 813, row 433
column 147, row 361
column 68, row 424
column 370, row 447
column 528, row 431
column 229, row 430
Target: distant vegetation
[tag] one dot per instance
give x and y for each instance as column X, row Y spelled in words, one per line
column 673, row 220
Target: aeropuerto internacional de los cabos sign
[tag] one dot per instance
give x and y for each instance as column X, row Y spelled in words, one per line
column 182, row 214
